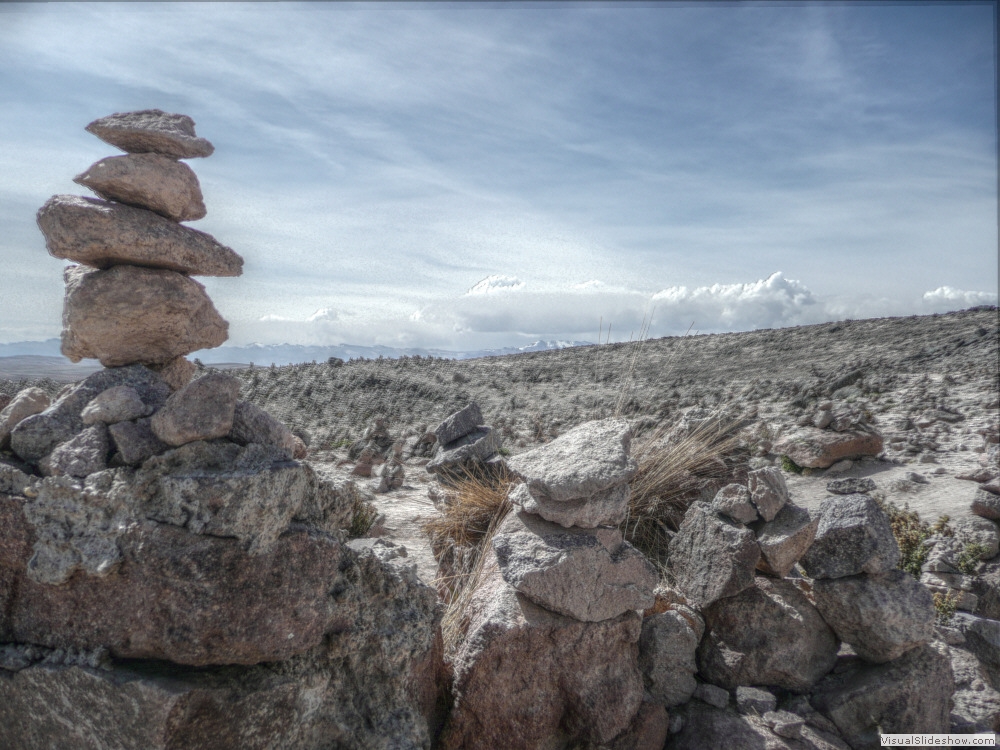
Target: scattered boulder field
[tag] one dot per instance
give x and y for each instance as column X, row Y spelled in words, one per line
column 194, row 558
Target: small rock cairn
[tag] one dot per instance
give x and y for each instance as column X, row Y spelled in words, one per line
column 465, row 445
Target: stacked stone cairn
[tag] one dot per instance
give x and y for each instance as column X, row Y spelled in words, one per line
column 740, row 620
column 170, row 575
column 559, row 597
column 466, row 446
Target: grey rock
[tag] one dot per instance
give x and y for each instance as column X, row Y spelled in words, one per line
column 854, row 536
column 151, row 130
column 986, row 504
column 703, row 726
column 882, row 617
column 909, row 695
column 976, row 704
column 912, row 476
column 590, row 575
column 818, row 449
column 201, row 410
column 713, row 695
column 733, row 501
column 588, row 459
column 459, row 424
column 978, row 530
column 127, row 314
column 37, row 435
column 768, row 491
column 711, row 557
column 251, row 424
column 785, row 539
column 606, row 508
column 769, row 634
column 13, row 481
column 525, row 677
column 475, row 448
column 136, row 441
column 102, row 234
column 27, row 402
column 84, row 453
column 784, row 723
column 986, row 587
column 667, row 657
column 120, row 403
column 153, row 181
column 982, row 638
column 851, row 486
column 757, row 701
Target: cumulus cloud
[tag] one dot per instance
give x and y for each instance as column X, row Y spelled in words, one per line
column 946, row 298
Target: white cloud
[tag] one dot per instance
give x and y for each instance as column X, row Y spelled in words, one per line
column 495, row 284
column 324, row 313
column 946, row 299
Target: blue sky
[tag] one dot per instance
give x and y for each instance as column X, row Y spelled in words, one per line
column 469, row 175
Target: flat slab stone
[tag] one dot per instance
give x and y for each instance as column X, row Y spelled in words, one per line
column 459, row 424
column 101, row 234
column 127, row 315
column 152, row 130
column 588, row 574
column 152, row 181
column 475, row 448
column 818, row 449
column 853, row 537
column 882, row 617
column 586, row 460
column 607, row 508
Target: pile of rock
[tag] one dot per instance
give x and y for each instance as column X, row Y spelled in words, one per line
column 835, row 432
column 558, row 596
column 169, row 575
column 379, row 456
column 465, row 445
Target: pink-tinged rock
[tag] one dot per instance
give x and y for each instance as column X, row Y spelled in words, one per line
column 528, row 678
column 159, row 183
column 202, row 410
column 101, row 234
column 127, row 315
column 819, row 449
column 26, row 403
column 176, row 373
column 187, row 598
column 151, row 130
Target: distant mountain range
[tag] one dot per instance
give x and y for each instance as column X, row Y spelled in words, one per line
column 286, row 354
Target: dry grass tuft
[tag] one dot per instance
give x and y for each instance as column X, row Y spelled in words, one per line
column 673, row 473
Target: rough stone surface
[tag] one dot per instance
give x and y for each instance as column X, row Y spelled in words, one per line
column 37, row 435
column 853, row 537
column 151, row 131
column 975, row 704
column 978, row 530
column 528, row 678
column 126, row 315
column 769, row 634
column 27, row 402
column 817, row 449
column 84, row 453
column 459, row 424
column 785, row 539
column 153, row 181
column 588, row 459
column 476, row 447
column 101, row 234
column 784, row 723
column 851, row 486
column 909, row 695
column 667, row 657
column 986, row 504
column 982, row 638
column 176, row 373
column 136, row 441
column 606, row 508
column 882, row 617
column 251, row 424
column 203, row 409
column 768, row 491
column 648, row 730
column 121, row 403
column 986, row 587
column 713, row 695
column 711, row 557
column 752, row 700
column 704, row 726
column 383, row 629
column 590, row 575
column 733, row 501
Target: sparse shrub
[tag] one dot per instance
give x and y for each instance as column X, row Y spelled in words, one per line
column 363, row 516
column 790, row 466
column 970, row 556
column 944, row 606
column 911, row 534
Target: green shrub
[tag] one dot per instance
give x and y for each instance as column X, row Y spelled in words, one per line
column 944, row 605
column 911, row 533
column 969, row 559
column 790, row 466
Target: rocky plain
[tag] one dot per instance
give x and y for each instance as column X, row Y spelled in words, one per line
column 732, row 540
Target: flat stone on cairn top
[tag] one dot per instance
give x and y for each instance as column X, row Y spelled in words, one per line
column 151, row 130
